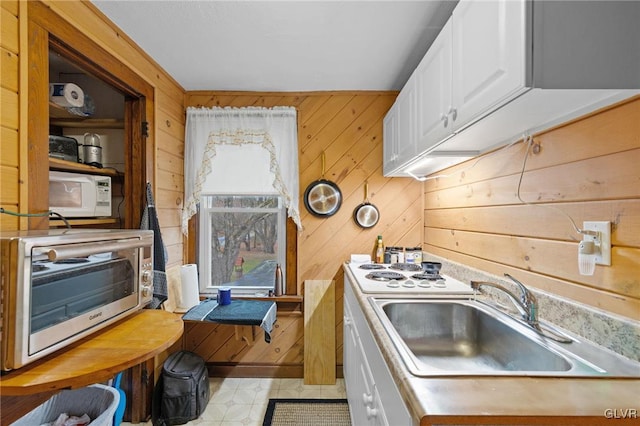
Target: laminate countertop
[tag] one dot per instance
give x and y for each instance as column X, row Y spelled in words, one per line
column 505, row 400
column 98, row 357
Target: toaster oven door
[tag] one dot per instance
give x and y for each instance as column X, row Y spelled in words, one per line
column 73, row 295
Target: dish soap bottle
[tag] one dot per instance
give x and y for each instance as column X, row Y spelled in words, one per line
column 277, row 288
column 380, row 250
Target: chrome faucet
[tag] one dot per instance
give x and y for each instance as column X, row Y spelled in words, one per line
column 528, row 307
column 527, row 304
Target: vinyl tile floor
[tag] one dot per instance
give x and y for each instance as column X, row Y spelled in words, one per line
column 243, row 402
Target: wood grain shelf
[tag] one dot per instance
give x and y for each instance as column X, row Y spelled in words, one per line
column 58, row 116
column 284, row 299
column 70, row 166
column 59, row 223
column 98, row 357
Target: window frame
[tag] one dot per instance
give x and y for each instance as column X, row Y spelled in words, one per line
column 204, row 235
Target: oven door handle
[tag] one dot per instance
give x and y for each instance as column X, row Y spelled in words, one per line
column 83, row 250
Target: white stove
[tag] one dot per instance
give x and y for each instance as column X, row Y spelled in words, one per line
column 405, row 278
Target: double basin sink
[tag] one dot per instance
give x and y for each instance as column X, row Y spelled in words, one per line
column 465, row 337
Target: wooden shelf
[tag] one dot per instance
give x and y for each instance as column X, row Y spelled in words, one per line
column 58, row 116
column 58, row 223
column 93, row 359
column 70, row 166
column 282, row 299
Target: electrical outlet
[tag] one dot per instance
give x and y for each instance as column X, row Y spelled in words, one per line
column 603, row 254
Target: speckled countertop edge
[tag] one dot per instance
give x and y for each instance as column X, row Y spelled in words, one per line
column 613, row 332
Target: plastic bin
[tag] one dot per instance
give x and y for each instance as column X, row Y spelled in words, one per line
column 99, row 402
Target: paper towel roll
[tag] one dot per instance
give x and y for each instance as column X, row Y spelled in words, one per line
column 190, row 294
column 66, row 95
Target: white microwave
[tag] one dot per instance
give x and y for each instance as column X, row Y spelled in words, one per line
column 79, row 195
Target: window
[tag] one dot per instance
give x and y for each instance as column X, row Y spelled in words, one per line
column 242, row 239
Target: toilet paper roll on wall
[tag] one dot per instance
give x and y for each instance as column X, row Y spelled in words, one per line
column 66, row 95
column 190, row 293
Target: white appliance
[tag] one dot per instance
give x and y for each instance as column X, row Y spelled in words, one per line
column 79, row 195
column 404, row 278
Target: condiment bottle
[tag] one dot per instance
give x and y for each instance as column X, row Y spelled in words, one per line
column 417, row 255
column 277, row 288
column 380, row 250
column 387, row 254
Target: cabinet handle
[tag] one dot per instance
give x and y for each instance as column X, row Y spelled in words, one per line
column 367, row 398
column 371, row 412
column 453, row 112
column 445, row 118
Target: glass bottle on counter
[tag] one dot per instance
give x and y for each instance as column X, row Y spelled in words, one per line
column 413, row 255
column 387, row 254
column 380, row 250
column 417, row 255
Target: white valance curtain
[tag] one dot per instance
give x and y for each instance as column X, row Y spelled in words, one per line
column 251, row 150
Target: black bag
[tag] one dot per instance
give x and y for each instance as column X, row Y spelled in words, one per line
column 184, row 389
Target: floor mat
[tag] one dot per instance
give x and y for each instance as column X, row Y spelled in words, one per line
column 307, row 412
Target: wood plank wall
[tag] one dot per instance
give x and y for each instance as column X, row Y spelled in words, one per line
column 9, row 113
column 166, row 135
column 347, row 126
column 587, row 169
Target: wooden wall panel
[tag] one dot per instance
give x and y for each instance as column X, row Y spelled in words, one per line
column 10, row 110
column 169, row 172
column 9, row 66
column 9, row 30
column 11, row 153
column 584, row 170
column 347, row 127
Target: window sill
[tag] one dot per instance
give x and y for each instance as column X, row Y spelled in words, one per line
column 285, row 299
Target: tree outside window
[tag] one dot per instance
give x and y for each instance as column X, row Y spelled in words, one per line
column 243, row 238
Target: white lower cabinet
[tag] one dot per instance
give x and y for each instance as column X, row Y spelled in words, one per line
column 373, row 396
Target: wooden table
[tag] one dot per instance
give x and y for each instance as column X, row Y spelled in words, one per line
column 94, row 359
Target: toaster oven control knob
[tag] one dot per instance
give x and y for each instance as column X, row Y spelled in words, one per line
column 146, row 276
column 146, row 292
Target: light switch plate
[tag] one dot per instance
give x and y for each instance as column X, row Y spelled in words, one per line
column 603, row 256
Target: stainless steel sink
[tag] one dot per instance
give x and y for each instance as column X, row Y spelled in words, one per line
column 436, row 337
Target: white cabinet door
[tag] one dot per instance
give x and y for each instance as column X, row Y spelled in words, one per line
column 433, row 81
column 399, row 131
column 489, row 56
column 476, row 63
column 354, row 381
column 406, row 111
column 390, row 141
column 369, row 399
column 373, row 396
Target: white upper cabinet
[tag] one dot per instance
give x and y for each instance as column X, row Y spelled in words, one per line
column 433, row 81
column 407, row 122
column 399, row 134
column 489, row 57
column 477, row 61
column 390, row 142
column 500, row 69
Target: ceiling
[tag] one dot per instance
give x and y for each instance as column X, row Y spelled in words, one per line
column 281, row 46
